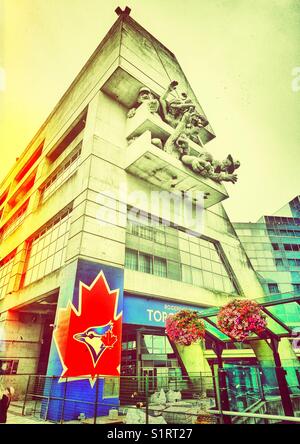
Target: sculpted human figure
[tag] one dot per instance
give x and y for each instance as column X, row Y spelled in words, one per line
column 226, row 166
column 203, row 164
column 197, row 121
column 173, row 110
column 145, row 96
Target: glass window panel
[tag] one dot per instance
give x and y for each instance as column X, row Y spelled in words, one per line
column 159, row 344
column 287, row 313
column 206, row 264
column 274, row 326
column 62, row 228
column 131, row 259
column 34, row 273
column 216, row 268
column 49, row 265
column 214, row 255
column 228, row 287
column 160, row 267
column 57, row 260
column 145, row 263
column 51, row 249
column 194, row 249
column 54, row 234
column 174, row 270
column 185, row 258
column 44, row 254
column 197, row 277
column 273, row 288
column 40, row 244
column 60, row 243
column 160, row 237
column 205, row 253
column 195, row 261
column 47, row 239
column 186, row 274
column 41, row 270
column 208, row 279
column 147, row 343
column 38, row 257
column 218, row 282
column 183, row 245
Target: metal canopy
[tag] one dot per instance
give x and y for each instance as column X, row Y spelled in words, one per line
column 272, row 306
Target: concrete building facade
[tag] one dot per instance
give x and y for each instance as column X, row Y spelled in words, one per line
column 77, row 215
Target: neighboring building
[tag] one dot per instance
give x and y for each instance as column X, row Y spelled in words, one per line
column 273, row 247
column 67, row 210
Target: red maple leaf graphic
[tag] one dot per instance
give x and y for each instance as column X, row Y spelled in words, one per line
column 109, row 339
column 95, row 353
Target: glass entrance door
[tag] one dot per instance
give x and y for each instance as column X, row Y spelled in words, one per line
column 148, row 374
column 162, row 377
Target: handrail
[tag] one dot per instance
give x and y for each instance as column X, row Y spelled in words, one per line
column 255, row 415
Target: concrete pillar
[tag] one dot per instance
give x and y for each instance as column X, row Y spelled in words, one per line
column 20, row 341
column 196, row 365
column 289, row 361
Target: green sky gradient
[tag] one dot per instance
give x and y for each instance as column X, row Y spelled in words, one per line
column 237, row 54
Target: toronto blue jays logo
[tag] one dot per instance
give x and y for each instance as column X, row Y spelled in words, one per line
column 97, row 339
column 89, row 337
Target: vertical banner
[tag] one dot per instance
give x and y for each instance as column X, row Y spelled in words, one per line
column 87, row 343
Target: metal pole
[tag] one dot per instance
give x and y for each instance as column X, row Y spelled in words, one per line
column 222, row 384
column 49, row 397
column 147, row 399
column 63, row 405
column 281, row 379
column 96, row 400
column 26, row 393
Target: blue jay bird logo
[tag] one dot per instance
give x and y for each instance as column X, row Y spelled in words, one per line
column 97, row 339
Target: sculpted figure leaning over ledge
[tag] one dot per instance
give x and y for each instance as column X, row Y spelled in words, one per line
column 173, row 111
column 202, row 164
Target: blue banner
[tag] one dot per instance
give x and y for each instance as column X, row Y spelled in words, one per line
column 149, row 311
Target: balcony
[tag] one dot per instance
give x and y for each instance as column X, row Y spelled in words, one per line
column 123, row 81
column 150, row 163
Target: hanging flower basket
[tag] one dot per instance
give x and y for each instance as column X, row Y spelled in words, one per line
column 241, row 318
column 185, row 327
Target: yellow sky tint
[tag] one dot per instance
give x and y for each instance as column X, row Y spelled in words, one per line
column 237, row 55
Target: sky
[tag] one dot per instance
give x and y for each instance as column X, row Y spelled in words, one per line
column 238, row 55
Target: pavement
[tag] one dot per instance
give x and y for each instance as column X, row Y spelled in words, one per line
column 13, row 418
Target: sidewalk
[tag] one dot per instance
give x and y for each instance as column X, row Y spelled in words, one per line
column 13, row 418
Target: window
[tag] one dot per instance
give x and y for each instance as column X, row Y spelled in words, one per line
column 294, row 262
column 47, row 249
column 30, row 162
column 155, row 344
column 273, row 288
column 131, row 259
column 6, row 266
column 145, row 263
column 15, row 221
column 76, row 128
column 160, row 267
column 292, row 247
column 63, row 173
column 146, row 231
column 275, row 247
column 279, row 263
column 296, row 288
column 8, row 366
